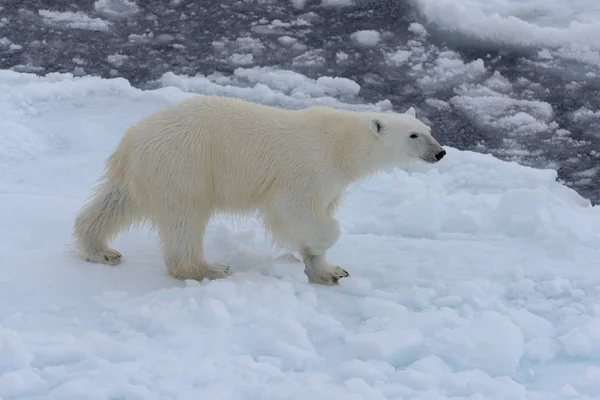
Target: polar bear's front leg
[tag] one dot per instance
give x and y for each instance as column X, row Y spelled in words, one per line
column 321, row 235
column 314, row 233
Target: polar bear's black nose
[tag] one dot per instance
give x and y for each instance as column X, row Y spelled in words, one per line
column 440, row 155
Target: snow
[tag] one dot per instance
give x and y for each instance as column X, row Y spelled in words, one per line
column 470, row 279
column 567, row 27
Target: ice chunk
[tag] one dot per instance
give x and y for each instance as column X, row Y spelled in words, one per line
column 449, row 69
column 337, row 3
column 493, row 110
column 77, row 20
column 398, row 57
column 366, row 38
column 287, row 40
column 299, row 4
column 116, row 8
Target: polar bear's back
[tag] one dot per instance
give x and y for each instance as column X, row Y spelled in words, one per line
column 240, row 153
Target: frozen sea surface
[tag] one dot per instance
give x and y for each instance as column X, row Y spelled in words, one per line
column 515, row 79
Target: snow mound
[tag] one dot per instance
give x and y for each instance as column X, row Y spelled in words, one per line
column 275, row 87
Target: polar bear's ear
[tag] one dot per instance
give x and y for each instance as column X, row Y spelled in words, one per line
column 411, row 111
column 377, row 127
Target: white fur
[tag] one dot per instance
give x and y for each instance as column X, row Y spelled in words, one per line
column 188, row 161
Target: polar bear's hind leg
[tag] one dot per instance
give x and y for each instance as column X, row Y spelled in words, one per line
column 181, row 236
column 109, row 211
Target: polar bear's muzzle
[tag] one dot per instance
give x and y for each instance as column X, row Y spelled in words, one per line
column 434, row 157
column 435, row 151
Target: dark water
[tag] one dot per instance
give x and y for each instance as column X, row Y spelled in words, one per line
column 181, row 41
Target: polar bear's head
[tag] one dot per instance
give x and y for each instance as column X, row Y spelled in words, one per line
column 402, row 139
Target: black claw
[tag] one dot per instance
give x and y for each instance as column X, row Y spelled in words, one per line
column 105, row 258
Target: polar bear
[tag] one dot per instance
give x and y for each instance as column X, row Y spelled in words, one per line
column 208, row 154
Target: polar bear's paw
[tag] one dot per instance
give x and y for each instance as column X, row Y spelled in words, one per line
column 216, row 271
column 108, row 256
column 327, row 275
column 204, row 270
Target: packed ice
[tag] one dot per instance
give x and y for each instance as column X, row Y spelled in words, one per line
column 564, row 27
column 474, row 278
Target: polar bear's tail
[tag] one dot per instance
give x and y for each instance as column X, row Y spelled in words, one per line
column 110, row 210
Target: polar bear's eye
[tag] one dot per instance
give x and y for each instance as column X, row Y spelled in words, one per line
column 413, row 136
